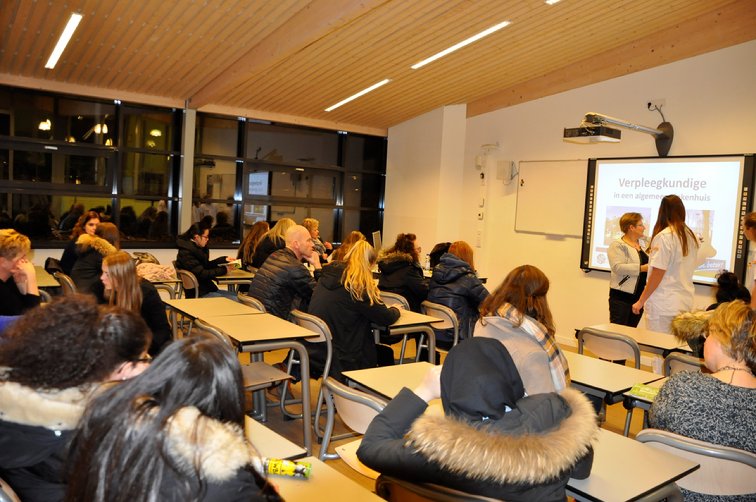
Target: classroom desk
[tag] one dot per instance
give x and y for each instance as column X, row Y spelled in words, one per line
column 649, row 341
column 269, row 443
column 412, row 322
column 234, row 277
column 325, row 485
column 604, row 379
column 44, row 279
column 624, row 469
column 205, row 308
column 632, row 401
column 259, row 333
column 387, row 381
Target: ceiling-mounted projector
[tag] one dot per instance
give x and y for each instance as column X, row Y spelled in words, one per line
column 592, row 134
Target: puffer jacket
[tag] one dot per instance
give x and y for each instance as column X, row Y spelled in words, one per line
column 530, row 455
column 87, row 268
column 196, row 260
column 455, row 285
column 401, row 275
column 280, row 281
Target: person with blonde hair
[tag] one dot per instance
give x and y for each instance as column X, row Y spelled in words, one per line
column 353, row 237
column 349, row 302
column 273, row 240
column 121, row 286
column 18, row 279
column 455, row 285
column 322, row 248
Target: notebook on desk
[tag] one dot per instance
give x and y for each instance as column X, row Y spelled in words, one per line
column 377, row 243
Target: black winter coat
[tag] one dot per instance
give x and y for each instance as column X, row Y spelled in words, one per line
column 455, row 285
column 280, row 281
column 349, row 322
column 196, row 260
column 87, row 269
column 401, row 275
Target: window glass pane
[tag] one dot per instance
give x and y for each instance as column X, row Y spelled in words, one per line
column 365, row 152
column 217, row 136
column 363, row 190
column 4, row 164
column 145, row 220
column 36, row 166
column 146, row 174
column 291, row 145
column 295, row 213
column 254, row 213
column 366, row 222
column 32, row 115
column 152, row 129
column 85, row 122
column 215, row 179
column 292, row 183
column 225, row 227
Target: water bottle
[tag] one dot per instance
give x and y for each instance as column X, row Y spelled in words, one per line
column 426, row 263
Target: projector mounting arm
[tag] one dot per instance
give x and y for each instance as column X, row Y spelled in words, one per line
column 663, row 133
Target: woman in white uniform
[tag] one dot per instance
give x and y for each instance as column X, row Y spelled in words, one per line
column 673, row 257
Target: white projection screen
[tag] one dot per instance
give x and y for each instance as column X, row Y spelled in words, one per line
column 716, row 191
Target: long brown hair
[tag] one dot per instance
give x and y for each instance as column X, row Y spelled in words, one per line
column 405, row 243
column 110, row 233
column 79, row 228
column 672, row 215
column 525, row 289
column 464, row 252
column 126, row 292
column 353, row 237
column 248, row 245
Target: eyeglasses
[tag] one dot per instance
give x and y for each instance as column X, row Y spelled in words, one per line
column 146, row 358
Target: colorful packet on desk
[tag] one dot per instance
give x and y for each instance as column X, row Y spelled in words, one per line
column 644, row 391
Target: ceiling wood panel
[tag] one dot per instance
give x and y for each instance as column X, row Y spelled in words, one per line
column 290, row 59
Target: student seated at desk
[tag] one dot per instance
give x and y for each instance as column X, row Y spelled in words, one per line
column 194, row 256
column 18, row 279
column 492, row 440
column 87, row 224
column 90, row 250
column 174, row 433
column 401, row 272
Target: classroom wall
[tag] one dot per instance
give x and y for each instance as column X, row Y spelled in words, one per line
column 710, row 100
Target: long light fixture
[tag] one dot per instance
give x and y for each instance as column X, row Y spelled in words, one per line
column 361, row 93
column 65, row 37
column 461, row 44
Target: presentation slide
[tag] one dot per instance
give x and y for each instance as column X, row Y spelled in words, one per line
column 715, row 191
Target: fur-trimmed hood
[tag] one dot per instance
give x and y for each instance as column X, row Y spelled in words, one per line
column 54, row 409
column 488, row 453
column 691, row 325
column 389, row 262
column 85, row 242
column 219, row 449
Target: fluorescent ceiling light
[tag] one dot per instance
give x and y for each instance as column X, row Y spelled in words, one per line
column 461, row 44
column 361, row 93
column 65, row 37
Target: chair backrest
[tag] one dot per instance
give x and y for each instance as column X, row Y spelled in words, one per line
column 393, row 299
column 44, row 296
column 723, row 471
column 66, row 283
column 316, row 325
column 251, row 301
column 167, row 288
column 611, row 346
column 355, row 408
column 220, row 335
column 188, row 282
column 399, row 490
column 6, row 493
column 444, row 313
column 676, row 362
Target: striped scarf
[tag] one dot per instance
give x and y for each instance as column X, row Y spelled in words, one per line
column 560, row 371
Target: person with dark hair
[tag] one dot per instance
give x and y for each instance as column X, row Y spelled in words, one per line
column 53, row 359
column 223, row 229
column 87, row 224
column 144, row 222
column 629, row 264
column 401, row 272
column 72, row 217
column 194, row 256
column 493, row 439
column 90, row 250
column 351, row 239
column 518, row 315
column 248, row 245
column 436, row 253
column 18, row 280
column 674, row 254
column 159, row 230
column 729, row 288
column 455, row 285
column 173, row 433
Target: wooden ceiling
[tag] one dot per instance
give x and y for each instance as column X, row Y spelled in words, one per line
column 288, row 60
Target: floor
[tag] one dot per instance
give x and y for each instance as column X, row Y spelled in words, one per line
column 292, row 429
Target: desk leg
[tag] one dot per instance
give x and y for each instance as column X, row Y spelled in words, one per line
column 422, row 328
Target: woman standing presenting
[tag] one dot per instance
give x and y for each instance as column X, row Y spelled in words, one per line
column 673, row 257
column 629, row 264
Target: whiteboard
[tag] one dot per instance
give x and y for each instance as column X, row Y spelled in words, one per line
column 551, row 197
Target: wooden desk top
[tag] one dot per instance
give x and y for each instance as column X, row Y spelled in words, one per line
column 644, row 337
column 44, row 279
column 259, row 327
column 269, row 443
column 605, row 376
column 409, row 318
column 236, row 275
column 325, row 485
column 389, row 380
column 205, row 308
column 624, row 469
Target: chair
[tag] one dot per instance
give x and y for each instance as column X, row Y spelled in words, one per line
column 610, row 346
column 168, row 289
column 355, row 408
column 256, row 375
column 66, row 283
column 444, row 313
column 251, row 301
column 6, row 493
column 723, row 471
column 44, row 296
column 398, row 490
column 188, row 282
column 676, row 362
column 397, row 300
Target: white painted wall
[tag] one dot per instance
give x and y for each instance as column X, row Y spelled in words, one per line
column 710, row 100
